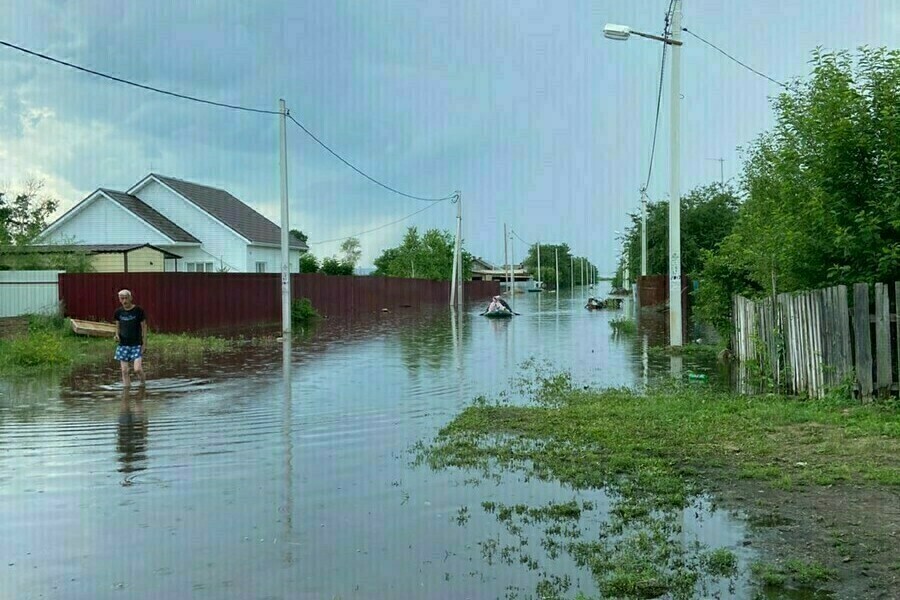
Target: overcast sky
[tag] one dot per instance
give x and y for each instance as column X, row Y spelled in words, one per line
column 524, row 106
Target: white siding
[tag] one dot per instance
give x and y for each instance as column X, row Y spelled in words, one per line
column 103, row 221
column 218, row 241
column 272, row 258
column 28, row 292
column 196, row 254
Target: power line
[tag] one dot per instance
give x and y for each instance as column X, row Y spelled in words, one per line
column 372, row 179
column 662, row 71
column 376, row 228
column 214, row 103
column 135, row 84
column 746, row 66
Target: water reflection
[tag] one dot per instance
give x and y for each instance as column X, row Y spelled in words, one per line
column 430, row 344
column 131, row 434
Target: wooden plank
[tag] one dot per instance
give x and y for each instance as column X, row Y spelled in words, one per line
column 793, row 344
column 862, row 341
column 828, row 338
column 883, row 361
column 783, row 318
column 821, row 341
column 846, row 344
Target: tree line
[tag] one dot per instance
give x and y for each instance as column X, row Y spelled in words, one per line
column 817, row 202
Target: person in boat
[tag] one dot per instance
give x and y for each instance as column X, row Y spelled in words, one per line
column 593, row 303
column 498, row 304
column 131, row 334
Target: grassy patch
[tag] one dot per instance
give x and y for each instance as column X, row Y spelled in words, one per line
column 648, row 451
column 623, row 325
column 50, row 345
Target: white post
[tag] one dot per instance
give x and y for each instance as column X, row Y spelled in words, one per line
column 643, row 233
column 455, row 275
column 506, row 257
column 459, row 269
column 627, row 265
column 556, row 253
column 572, row 273
column 285, row 231
column 539, row 264
column 675, row 316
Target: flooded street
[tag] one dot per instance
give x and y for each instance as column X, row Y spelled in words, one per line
column 230, row 479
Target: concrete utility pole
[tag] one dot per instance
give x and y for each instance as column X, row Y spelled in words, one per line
column 644, row 232
column 506, row 258
column 285, row 226
column 556, row 253
column 539, row 264
column 675, row 316
column 572, row 273
column 456, row 285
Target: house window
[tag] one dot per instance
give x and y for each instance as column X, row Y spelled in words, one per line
column 191, row 267
column 260, row 266
column 209, row 267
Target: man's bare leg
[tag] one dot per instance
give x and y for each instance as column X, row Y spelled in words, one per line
column 139, row 370
column 126, row 377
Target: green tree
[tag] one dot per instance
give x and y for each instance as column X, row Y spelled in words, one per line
column 708, row 215
column 24, row 216
column 308, row 263
column 333, row 266
column 429, row 256
column 300, row 235
column 350, row 252
column 822, row 187
column 567, row 271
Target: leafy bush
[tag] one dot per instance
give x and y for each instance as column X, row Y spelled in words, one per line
column 302, row 312
column 36, row 349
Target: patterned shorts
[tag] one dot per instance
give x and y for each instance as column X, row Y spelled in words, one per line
column 128, row 353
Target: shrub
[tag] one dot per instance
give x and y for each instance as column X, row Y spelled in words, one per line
column 302, row 312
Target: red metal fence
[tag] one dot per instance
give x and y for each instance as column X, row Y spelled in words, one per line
column 653, row 290
column 176, row 302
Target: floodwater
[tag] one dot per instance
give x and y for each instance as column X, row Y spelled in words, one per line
column 256, row 476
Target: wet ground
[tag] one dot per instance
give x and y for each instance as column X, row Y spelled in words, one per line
column 255, row 477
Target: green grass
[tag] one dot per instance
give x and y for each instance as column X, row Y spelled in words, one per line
column 623, row 325
column 650, row 451
column 50, row 344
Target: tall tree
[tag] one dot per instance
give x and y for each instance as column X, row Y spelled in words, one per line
column 24, row 215
column 822, row 187
column 350, row 252
column 429, row 256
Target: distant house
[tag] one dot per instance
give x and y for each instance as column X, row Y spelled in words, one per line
column 201, row 228
column 482, row 270
column 107, row 258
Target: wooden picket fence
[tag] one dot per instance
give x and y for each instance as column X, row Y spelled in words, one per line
column 811, row 342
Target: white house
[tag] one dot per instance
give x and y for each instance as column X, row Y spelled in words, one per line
column 208, row 228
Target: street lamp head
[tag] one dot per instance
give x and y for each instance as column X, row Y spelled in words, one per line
column 616, row 32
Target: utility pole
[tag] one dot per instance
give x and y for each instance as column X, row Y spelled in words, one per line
column 285, row 226
column 539, row 264
column 572, row 273
column 456, row 286
column 556, row 253
column 506, row 258
column 643, row 232
column 675, row 316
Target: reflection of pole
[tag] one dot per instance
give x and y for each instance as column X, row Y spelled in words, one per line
column 288, row 449
column 645, row 360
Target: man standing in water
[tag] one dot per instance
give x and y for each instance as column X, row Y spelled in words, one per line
column 131, row 329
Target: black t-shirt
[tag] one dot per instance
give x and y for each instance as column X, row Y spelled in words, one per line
column 130, row 325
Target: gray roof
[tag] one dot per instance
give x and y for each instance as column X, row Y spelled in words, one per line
column 88, row 248
column 151, row 216
column 230, row 211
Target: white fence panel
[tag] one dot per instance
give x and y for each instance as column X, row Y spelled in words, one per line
column 29, row 292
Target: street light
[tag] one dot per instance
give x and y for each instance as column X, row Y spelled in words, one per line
column 620, row 33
